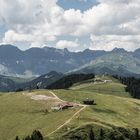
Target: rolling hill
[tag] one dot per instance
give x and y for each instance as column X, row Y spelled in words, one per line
column 114, row 111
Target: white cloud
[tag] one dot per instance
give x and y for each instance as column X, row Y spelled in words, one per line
column 39, row 21
column 29, row 21
column 108, row 42
column 35, row 39
column 67, row 44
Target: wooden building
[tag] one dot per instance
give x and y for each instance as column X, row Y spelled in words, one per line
column 62, row 106
column 88, row 102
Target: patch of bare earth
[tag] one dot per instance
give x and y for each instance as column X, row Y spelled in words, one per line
column 42, row 97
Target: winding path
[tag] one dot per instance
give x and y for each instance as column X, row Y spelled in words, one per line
column 70, row 119
column 56, row 96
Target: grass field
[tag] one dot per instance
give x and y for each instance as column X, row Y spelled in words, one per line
column 19, row 115
column 110, row 109
column 112, row 88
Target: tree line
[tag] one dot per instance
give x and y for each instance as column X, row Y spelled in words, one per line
column 104, row 134
column 89, row 133
column 36, row 135
column 69, row 80
column 132, row 85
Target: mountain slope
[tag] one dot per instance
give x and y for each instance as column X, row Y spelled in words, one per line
column 120, row 63
column 38, row 61
column 9, row 83
column 6, row 84
column 42, row 81
column 137, row 53
column 68, row 80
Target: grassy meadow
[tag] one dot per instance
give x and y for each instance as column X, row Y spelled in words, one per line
column 20, row 115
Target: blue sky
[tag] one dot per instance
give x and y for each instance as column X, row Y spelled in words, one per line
column 72, row 24
column 77, row 4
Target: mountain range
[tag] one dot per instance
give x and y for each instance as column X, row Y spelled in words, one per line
column 39, row 61
column 116, row 62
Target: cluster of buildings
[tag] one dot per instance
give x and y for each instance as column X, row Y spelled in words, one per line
column 66, row 105
column 63, row 105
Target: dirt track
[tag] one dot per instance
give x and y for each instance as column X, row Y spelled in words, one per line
column 70, row 119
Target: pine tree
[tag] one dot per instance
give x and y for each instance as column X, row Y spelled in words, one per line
column 17, row 138
column 27, row 138
column 136, row 134
column 101, row 134
column 36, row 135
column 91, row 134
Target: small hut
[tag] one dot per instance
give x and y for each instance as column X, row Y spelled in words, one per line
column 66, row 105
column 62, row 106
column 88, row 102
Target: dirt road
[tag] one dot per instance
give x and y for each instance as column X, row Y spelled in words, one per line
column 70, row 119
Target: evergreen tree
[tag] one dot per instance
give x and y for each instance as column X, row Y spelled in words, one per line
column 17, row 138
column 136, row 134
column 91, row 134
column 27, row 138
column 133, row 85
column 101, row 134
column 36, row 135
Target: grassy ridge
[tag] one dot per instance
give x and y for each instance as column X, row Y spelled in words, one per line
column 112, row 88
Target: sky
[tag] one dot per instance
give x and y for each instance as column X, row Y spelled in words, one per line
column 72, row 24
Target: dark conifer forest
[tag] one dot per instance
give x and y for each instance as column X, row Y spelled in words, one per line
column 68, row 81
column 132, row 85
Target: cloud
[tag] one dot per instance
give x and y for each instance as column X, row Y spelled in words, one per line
column 36, row 39
column 67, row 44
column 29, row 21
column 40, row 21
column 108, row 42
